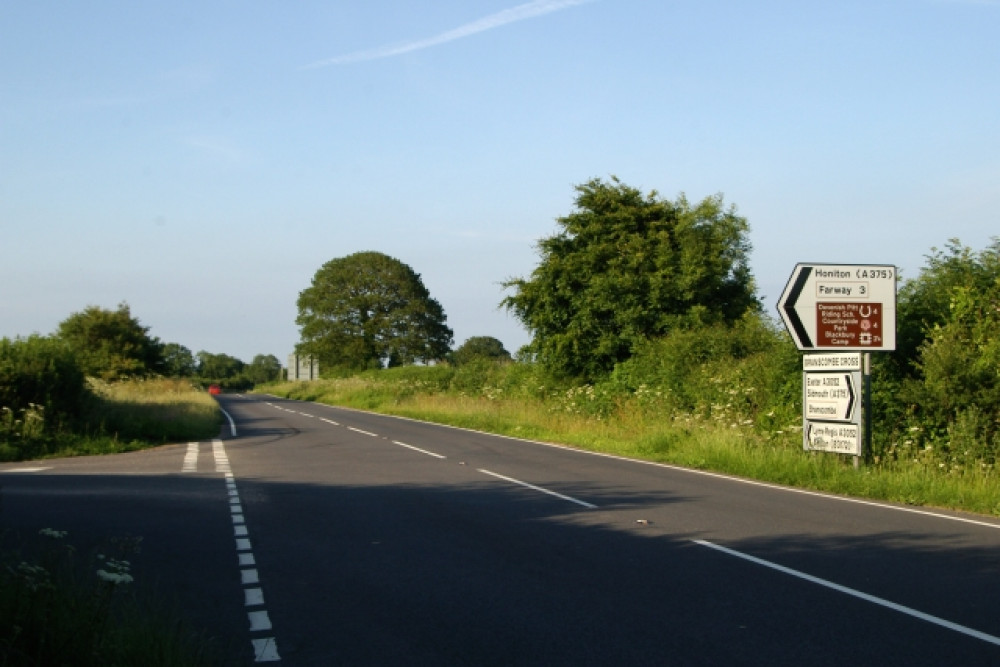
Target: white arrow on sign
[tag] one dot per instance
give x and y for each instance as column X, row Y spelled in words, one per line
column 841, row 307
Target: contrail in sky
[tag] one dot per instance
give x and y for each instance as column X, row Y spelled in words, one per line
column 528, row 10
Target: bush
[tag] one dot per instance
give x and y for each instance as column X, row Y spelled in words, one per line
column 40, row 373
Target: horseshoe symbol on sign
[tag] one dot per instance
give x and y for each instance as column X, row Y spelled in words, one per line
column 863, row 308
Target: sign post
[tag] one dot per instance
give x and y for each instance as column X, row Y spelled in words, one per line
column 849, row 309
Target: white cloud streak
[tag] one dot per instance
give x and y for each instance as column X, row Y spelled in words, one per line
column 528, row 10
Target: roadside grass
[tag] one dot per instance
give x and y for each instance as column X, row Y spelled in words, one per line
column 117, row 417
column 634, row 430
column 60, row 608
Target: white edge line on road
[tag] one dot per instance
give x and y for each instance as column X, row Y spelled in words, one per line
column 417, row 449
column 856, row 593
column 693, row 471
column 232, row 424
column 537, row 488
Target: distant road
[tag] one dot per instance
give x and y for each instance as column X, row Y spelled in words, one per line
column 323, row 536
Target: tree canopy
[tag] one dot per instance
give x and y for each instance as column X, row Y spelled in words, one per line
column 626, row 268
column 480, row 347
column 368, row 310
column 111, row 344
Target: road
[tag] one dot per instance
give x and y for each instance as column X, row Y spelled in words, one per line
column 324, row 536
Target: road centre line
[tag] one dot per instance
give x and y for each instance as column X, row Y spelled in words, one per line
column 417, row 449
column 537, row 488
column 909, row 611
column 329, row 421
column 704, row 473
column 358, row 430
column 265, row 649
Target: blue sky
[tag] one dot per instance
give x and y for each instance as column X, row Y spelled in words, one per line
column 202, row 160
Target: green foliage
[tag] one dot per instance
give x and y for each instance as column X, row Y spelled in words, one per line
column 58, row 607
column 628, row 268
column 222, row 369
column 937, row 399
column 178, row 361
column 480, row 347
column 264, row 368
column 111, row 344
column 40, row 371
column 367, row 310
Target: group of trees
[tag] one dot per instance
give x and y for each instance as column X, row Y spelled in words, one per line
column 625, row 268
column 47, row 374
column 629, row 273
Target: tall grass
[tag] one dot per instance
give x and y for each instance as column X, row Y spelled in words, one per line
column 60, row 608
column 115, row 417
column 723, row 433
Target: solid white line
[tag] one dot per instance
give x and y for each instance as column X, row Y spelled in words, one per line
column 358, row 430
column 232, row 424
column 858, row 594
column 36, row 469
column 417, row 449
column 537, row 488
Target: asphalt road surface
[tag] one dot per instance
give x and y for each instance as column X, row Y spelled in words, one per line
column 323, row 536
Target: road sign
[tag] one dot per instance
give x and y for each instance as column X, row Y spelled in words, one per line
column 841, row 307
column 833, row 437
column 830, row 396
column 836, row 361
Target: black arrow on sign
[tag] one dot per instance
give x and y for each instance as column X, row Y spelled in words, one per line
column 789, row 306
column 850, row 394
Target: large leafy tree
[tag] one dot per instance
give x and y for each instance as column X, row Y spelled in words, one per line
column 111, row 344
column 218, row 367
column 480, row 347
column 263, row 368
column 178, row 361
column 628, row 267
column 369, row 309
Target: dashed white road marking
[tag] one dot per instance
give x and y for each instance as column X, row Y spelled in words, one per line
column 358, row 430
column 417, row 449
column 538, row 488
column 191, row 458
column 909, row 611
column 27, row 469
column 265, row 649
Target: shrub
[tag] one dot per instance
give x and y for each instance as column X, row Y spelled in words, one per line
column 40, row 371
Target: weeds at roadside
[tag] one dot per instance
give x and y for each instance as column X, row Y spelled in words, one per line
column 58, row 607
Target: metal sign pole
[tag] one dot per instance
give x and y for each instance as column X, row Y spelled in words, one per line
column 867, row 415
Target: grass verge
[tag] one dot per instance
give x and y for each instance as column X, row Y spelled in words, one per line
column 57, row 608
column 118, row 417
column 686, row 440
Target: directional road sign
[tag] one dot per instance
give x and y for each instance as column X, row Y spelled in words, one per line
column 833, row 437
column 841, row 307
column 830, row 396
